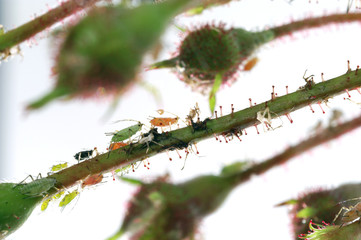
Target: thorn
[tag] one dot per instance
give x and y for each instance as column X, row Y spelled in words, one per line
column 7, row 226
column 215, row 136
column 357, row 70
column 250, row 102
column 289, row 117
column 232, row 108
column 245, row 132
column 178, row 153
column 348, row 93
column 215, row 112
column 319, row 104
column 170, row 159
column 195, row 146
column 256, row 128
column 348, row 66
column 220, row 110
column 235, row 133
column 286, row 89
column 358, row 90
column 133, row 167
column 311, row 108
column 322, row 77
column 225, row 138
column 15, row 216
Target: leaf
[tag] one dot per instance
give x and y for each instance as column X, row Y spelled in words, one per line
column 212, row 95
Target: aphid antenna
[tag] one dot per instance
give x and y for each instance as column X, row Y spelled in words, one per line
column 162, row 111
column 127, row 120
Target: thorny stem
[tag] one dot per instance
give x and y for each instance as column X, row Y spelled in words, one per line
column 228, row 124
column 328, row 134
column 314, row 22
column 27, row 30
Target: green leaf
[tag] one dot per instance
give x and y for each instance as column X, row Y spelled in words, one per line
column 307, row 212
column 212, row 95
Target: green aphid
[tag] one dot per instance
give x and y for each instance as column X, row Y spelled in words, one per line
column 68, row 198
column 125, row 133
column 38, row 187
column 59, row 167
column 45, row 204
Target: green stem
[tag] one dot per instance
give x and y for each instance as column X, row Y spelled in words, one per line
column 330, row 133
column 27, row 30
column 314, row 23
column 232, row 123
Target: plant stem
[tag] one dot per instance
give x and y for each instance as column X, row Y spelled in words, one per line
column 328, row 134
column 27, row 30
column 314, row 23
column 228, row 124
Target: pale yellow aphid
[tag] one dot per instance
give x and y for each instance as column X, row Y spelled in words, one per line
column 45, row 204
column 59, row 167
column 68, row 198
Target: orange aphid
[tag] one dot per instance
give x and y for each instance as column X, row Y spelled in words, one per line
column 163, row 122
column 92, row 180
column 250, row 64
column 117, row 145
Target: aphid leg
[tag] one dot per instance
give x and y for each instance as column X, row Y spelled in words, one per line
column 338, row 214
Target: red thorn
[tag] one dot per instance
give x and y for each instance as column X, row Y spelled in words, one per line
column 311, row 108
column 348, row 66
column 232, row 108
column 8, row 226
column 215, row 112
column 322, row 77
column 357, row 70
column 16, row 216
column 348, row 93
column 178, row 153
column 195, row 146
column 245, row 132
column 358, row 90
column 215, row 136
column 289, row 117
column 220, row 110
column 256, row 128
column 250, row 102
column 286, row 89
column 319, row 104
column 238, row 137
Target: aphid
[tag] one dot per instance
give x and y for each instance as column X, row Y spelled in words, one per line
column 45, row 204
column 193, row 113
column 68, row 198
column 163, row 122
column 147, row 138
column 58, row 195
column 92, row 180
column 80, row 156
column 58, row 167
column 352, row 214
column 36, row 188
column 116, row 145
column 125, row 133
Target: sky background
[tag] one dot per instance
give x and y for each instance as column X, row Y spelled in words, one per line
column 32, row 142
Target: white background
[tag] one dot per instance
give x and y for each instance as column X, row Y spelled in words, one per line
column 32, row 143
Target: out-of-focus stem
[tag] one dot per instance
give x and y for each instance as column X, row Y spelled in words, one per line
column 27, row 30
